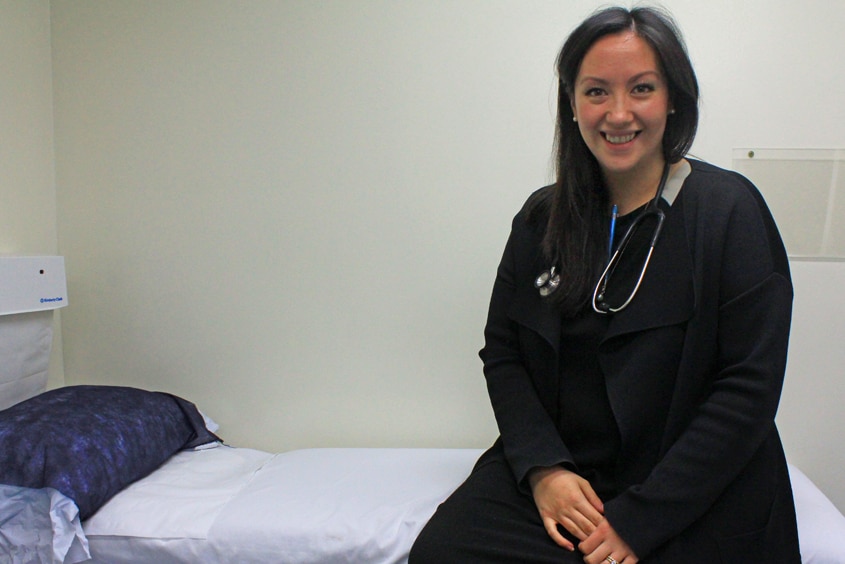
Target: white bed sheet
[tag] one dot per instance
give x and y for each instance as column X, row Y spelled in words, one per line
column 182, row 498
column 324, row 505
column 305, row 506
column 821, row 527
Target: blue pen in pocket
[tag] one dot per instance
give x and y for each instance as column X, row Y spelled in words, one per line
column 613, row 214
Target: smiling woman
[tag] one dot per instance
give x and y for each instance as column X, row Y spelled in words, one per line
column 611, row 48
column 621, row 104
column 635, row 395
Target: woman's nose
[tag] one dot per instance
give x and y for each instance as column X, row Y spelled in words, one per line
column 619, row 112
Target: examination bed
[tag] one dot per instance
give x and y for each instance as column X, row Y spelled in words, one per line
column 326, row 506
column 197, row 500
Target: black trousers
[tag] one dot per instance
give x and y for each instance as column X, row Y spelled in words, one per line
column 488, row 519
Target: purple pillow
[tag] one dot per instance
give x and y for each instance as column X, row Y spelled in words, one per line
column 90, row 442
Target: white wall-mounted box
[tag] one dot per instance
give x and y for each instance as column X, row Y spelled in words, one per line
column 32, row 284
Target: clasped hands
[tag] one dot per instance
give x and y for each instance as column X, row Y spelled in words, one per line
column 564, row 498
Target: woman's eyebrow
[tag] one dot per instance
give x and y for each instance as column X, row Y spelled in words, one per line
column 635, row 78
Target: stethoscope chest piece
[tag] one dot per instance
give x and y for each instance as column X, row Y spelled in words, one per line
column 547, row 282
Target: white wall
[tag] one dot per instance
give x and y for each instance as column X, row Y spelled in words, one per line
column 27, row 175
column 810, row 419
column 291, row 212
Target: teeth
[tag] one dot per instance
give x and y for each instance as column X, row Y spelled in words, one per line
column 617, row 140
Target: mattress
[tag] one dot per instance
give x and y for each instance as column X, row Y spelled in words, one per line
column 306, row 506
column 324, row 505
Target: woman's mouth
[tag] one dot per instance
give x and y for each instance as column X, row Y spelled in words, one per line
column 619, row 139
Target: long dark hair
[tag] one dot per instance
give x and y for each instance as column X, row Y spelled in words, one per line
column 576, row 206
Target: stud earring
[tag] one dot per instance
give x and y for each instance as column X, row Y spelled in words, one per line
column 575, row 119
column 672, row 111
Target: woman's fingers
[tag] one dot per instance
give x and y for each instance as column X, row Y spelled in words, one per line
column 594, row 500
column 578, row 525
column 564, row 498
column 604, row 542
column 554, row 533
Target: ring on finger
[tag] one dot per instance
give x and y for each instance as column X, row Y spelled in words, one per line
column 611, row 560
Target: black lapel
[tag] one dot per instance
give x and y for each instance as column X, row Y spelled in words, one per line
column 535, row 313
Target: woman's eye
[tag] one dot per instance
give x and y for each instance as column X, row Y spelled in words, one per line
column 643, row 88
column 593, row 92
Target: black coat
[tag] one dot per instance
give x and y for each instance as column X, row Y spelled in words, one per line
column 694, row 369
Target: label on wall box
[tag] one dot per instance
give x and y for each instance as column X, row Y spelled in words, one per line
column 32, row 284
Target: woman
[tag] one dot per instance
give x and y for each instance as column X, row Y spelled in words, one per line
column 635, row 395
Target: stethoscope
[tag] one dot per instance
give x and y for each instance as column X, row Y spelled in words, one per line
column 549, row 280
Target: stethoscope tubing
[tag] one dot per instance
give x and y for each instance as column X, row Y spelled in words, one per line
column 653, row 207
column 612, row 265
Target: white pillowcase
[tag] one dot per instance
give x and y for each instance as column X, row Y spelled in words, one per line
column 40, row 526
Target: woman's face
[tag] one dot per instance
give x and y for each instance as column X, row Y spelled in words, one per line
column 621, row 101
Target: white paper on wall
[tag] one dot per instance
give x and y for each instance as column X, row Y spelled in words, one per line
column 805, row 190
